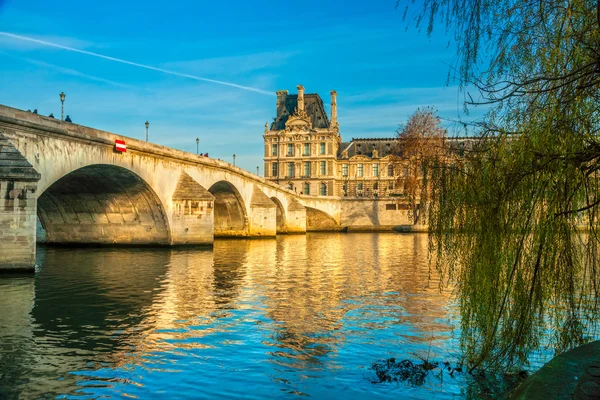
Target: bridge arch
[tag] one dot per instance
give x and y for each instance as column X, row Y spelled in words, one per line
column 102, row 204
column 230, row 216
column 280, row 216
column 317, row 220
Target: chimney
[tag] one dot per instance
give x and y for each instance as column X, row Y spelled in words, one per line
column 300, row 97
column 281, row 96
column 333, row 107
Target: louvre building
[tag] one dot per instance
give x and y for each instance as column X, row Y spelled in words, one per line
column 304, row 152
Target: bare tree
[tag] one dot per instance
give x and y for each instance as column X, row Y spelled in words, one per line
column 420, row 143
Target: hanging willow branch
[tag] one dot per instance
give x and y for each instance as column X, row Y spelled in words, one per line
column 514, row 221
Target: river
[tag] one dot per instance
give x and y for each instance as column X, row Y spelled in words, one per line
column 300, row 315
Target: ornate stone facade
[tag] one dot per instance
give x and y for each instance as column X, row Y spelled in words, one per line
column 304, row 152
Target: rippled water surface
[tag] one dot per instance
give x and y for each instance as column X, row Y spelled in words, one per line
column 288, row 317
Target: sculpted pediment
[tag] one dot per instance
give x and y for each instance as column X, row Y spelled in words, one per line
column 298, row 123
column 390, row 157
column 359, row 157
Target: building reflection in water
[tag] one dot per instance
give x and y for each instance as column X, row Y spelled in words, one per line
column 285, row 312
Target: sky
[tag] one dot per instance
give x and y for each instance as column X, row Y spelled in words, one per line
column 210, row 69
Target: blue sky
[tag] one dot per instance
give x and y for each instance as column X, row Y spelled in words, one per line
column 381, row 70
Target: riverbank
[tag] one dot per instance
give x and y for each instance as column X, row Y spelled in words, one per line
column 571, row 375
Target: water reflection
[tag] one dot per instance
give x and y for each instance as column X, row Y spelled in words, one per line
column 253, row 318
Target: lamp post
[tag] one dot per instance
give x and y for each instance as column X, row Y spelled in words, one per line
column 197, row 146
column 147, row 125
column 234, row 159
column 257, row 171
column 62, row 107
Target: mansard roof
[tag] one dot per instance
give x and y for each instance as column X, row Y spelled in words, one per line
column 384, row 147
column 313, row 105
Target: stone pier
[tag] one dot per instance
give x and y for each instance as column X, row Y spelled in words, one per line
column 18, row 209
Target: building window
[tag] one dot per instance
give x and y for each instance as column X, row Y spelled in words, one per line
column 359, row 170
column 323, row 189
column 375, row 169
column 307, row 149
column 345, row 188
column 307, row 169
column 322, row 146
column 344, row 169
column 390, row 170
column 290, row 149
column 359, row 186
column 391, row 185
column 274, row 150
column 291, row 169
column 323, row 168
column 275, row 169
column 291, row 186
column 375, row 186
column 390, row 206
column 307, row 188
column 406, row 171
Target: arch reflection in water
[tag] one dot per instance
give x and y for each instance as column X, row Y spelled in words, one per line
column 299, row 314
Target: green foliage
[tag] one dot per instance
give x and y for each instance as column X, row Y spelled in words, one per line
column 506, row 219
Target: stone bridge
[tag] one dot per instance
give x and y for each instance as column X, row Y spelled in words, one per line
column 66, row 183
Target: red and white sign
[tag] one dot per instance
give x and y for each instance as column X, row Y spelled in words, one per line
column 120, row 146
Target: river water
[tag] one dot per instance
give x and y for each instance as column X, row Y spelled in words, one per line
column 282, row 318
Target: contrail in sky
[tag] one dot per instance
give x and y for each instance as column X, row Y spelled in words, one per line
column 166, row 71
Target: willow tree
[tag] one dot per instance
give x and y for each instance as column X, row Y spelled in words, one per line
column 419, row 142
column 515, row 221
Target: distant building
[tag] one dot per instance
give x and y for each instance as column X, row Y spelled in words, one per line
column 304, row 152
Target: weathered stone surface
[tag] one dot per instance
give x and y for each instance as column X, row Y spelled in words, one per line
column 102, row 204
column 188, row 189
column 13, row 165
column 193, row 218
column 263, row 218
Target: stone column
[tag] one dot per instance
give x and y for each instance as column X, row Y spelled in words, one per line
column 281, row 96
column 18, row 209
column 333, row 107
column 300, row 97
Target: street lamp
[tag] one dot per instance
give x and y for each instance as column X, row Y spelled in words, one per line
column 234, row 160
column 62, row 108
column 197, row 145
column 257, row 170
column 147, row 125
